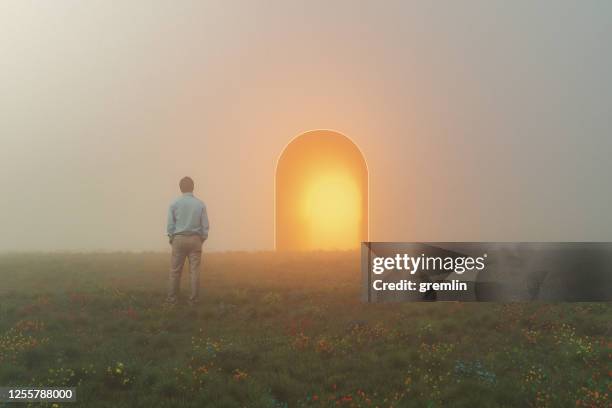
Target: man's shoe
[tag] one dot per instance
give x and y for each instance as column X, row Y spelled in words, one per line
column 170, row 304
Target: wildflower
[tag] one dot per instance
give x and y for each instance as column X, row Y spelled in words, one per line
column 300, row 342
column 240, row 375
column 324, row 347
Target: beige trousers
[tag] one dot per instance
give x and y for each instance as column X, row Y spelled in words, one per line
column 185, row 246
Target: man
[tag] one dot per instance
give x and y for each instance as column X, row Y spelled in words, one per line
column 187, row 231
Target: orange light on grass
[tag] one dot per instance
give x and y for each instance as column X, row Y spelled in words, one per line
column 321, row 193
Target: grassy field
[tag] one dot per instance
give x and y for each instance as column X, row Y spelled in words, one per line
column 284, row 331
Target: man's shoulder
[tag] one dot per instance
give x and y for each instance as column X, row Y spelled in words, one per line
column 200, row 201
column 184, row 199
column 178, row 202
column 192, row 198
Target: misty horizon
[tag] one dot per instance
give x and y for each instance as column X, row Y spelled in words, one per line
column 481, row 121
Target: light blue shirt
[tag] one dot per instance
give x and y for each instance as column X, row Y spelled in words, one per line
column 187, row 216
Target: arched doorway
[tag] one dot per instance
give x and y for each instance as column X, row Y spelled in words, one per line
column 321, row 193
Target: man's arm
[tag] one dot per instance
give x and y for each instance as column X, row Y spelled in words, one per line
column 205, row 224
column 171, row 225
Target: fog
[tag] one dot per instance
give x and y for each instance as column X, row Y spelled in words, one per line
column 479, row 120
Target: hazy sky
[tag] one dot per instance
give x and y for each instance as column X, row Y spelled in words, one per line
column 480, row 120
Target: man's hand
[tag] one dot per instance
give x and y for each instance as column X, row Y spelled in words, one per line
column 170, row 238
column 202, row 239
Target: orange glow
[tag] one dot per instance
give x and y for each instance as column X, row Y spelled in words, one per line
column 332, row 211
column 321, row 193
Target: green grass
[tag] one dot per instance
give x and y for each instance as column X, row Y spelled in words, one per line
column 284, row 331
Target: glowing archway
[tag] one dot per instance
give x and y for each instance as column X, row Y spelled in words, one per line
column 321, row 193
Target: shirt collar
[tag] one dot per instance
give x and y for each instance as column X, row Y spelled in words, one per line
column 188, row 194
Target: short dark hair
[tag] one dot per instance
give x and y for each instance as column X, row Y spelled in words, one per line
column 186, row 185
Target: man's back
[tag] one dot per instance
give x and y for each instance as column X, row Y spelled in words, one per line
column 187, row 216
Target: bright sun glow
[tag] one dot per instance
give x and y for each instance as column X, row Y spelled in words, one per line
column 332, row 211
column 321, row 194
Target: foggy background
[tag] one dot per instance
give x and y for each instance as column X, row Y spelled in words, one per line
column 479, row 120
